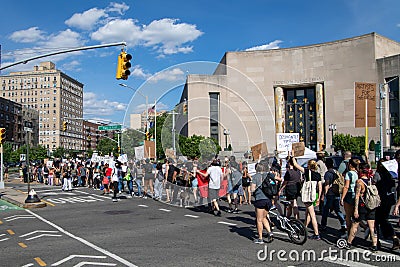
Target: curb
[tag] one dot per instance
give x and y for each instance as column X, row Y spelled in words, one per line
column 24, row 205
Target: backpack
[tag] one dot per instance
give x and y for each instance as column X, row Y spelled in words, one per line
column 372, row 199
column 127, row 176
column 337, row 183
column 269, row 186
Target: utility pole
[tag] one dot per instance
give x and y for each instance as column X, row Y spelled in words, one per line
column 173, row 113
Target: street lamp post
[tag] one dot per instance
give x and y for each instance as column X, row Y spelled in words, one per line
column 226, row 133
column 332, row 128
column 147, row 112
column 390, row 132
column 382, row 96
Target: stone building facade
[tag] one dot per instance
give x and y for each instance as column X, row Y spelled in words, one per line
column 257, row 94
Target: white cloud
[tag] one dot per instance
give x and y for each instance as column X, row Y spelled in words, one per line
column 30, row 35
column 142, row 107
column 94, row 106
column 119, row 8
column 271, row 45
column 170, row 35
column 87, row 19
column 166, row 35
column 171, row 75
column 73, row 65
column 137, row 71
column 119, row 30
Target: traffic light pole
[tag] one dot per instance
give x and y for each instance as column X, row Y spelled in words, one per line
column 63, row 52
column 2, row 168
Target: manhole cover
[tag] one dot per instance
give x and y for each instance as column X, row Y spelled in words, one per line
column 116, row 212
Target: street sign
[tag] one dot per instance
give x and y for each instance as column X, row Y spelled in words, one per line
column 22, row 157
column 109, row 127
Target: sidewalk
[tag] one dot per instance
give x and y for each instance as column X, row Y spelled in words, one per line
column 18, row 197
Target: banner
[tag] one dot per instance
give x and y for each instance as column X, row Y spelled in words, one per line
column 259, row 150
column 284, row 141
column 123, row 158
column 139, row 152
column 392, row 166
column 365, row 92
column 298, row 149
column 203, row 185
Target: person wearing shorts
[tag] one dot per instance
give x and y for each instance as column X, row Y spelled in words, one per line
column 215, row 174
column 292, row 185
column 262, row 205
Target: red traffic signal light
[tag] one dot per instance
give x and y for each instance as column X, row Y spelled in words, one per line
column 2, row 135
column 123, row 66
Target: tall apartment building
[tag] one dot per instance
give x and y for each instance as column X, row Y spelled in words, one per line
column 56, row 96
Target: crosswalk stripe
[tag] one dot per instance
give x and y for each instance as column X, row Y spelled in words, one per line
column 226, row 223
column 164, row 210
column 143, row 206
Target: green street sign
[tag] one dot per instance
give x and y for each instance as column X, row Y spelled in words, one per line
column 109, row 127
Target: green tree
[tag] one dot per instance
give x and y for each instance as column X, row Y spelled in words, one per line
column 38, row 153
column 129, row 140
column 198, row 146
column 59, row 152
column 344, row 142
column 107, row 146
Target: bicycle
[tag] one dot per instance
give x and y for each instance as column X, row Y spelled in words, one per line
column 295, row 229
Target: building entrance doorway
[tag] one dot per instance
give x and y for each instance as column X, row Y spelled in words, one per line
column 300, row 115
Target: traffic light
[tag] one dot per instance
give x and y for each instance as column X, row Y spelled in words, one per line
column 185, row 108
column 89, row 141
column 65, row 125
column 123, row 66
column 148, row 136
column 2, row 135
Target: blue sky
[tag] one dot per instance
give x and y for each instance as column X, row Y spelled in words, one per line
column 162, row 34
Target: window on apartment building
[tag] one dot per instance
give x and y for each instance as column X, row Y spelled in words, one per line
column 214, row 115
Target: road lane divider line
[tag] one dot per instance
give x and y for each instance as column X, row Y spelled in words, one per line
column 21, row 191
column 143, row 206
column 4, row 239
column 83, row 263
column 28, row 265
column 22, row 245
column 164, row 210
column 86, row 193
column 10, row 232
column 83, row 241
column 227, row 223
column 21, row 215
column 40, row 261
column 191, row 216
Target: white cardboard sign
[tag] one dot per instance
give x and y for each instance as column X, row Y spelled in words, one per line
column 284, row 141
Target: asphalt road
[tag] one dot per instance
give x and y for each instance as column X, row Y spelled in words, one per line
column 85, row 228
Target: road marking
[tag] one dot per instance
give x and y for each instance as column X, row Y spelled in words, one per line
column 87, row 243
column 143, row 206
column 40, row 261
column 22, row 245
column 226, row 223
column 11, row 232
column 94, row 263
column 38, row 231
column 164, row 210
column 2, row 234
column 16, row 217
column 28, row 265
column 4, row 239
column 70, row 257
column 73, row 200
column 1, row 222
column 192, row 216
column 21, row 191
column 42, row 235
column 48, row 203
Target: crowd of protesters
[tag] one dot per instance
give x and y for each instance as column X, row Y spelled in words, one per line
column 206, row 183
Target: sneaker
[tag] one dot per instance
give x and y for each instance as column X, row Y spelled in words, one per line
column 396, row 243
column 315, row 237
column 128, row 196
column 235, row 211
column 347, row 246
column 229, row 211
column 218, row 214
column 258, row 241
column 270, row 237
column 115, row 200
column 144, row 197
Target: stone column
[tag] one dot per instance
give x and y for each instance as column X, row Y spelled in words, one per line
column 279, row 110
column 319, row 98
